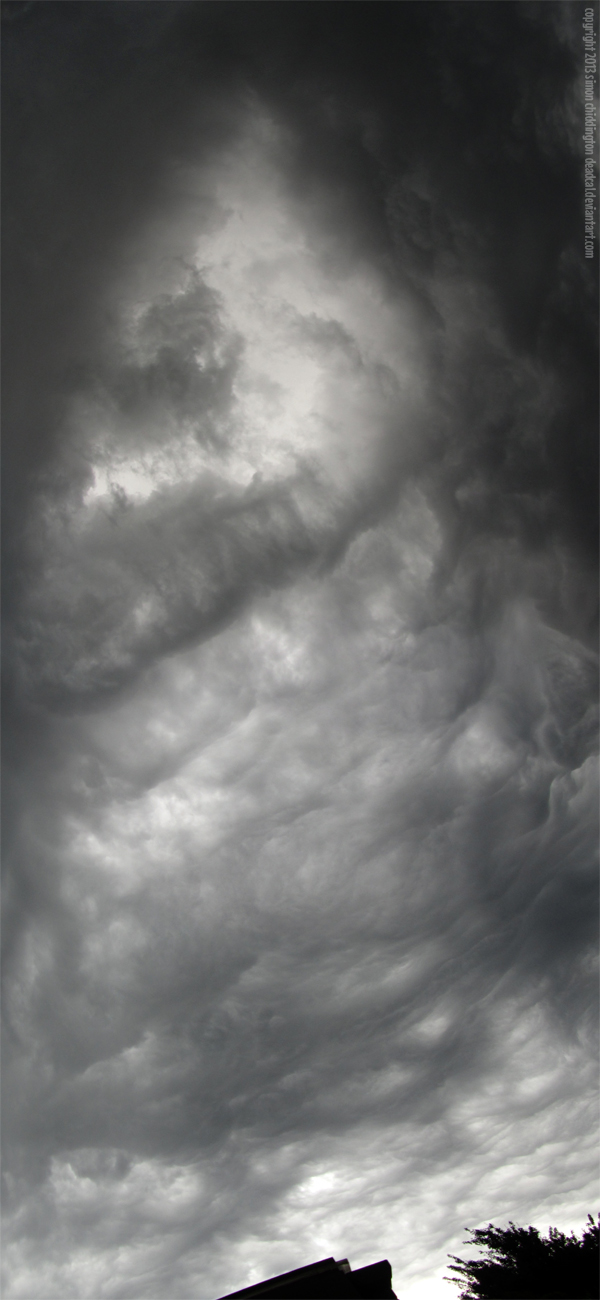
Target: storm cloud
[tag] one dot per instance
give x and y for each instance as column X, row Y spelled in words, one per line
column 300, row 596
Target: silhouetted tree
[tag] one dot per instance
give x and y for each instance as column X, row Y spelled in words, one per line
column 521, row 1265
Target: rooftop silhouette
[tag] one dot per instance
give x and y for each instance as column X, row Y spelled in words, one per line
column 324, row 1279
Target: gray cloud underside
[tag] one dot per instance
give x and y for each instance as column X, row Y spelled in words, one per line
column 303, row 861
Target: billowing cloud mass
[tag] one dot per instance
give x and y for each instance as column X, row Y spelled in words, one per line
column 300, row 659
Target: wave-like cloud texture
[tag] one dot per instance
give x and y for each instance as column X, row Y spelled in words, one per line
column 301, row 706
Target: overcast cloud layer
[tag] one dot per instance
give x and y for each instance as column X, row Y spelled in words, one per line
column 300, row 593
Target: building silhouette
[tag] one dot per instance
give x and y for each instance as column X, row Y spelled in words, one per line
column 327, row 1279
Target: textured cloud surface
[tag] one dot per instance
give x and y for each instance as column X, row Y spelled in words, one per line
column 300, row 608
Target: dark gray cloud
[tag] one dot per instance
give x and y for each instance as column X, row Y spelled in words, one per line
column 300, row 670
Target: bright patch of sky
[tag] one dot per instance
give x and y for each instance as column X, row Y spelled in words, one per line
column 319, row 349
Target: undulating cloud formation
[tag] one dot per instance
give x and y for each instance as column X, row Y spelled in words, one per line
column 300, row 591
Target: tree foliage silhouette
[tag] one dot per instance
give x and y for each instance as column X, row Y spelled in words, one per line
column 522, row 1265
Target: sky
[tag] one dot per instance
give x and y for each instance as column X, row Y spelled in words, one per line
column 300, row 634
